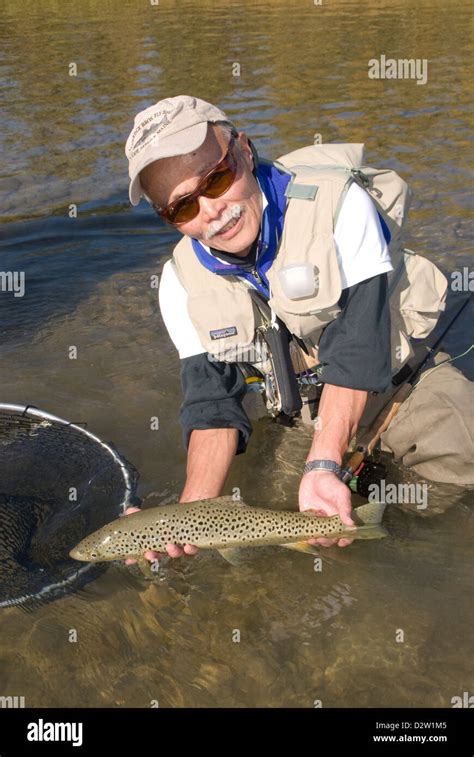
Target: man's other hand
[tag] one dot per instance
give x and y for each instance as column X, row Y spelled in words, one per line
column 323, row 493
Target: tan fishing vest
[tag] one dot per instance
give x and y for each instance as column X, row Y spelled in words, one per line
column 222, row 305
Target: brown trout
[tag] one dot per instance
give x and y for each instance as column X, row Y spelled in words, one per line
column 221, row 524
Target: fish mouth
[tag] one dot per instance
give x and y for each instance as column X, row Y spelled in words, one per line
column 78, row 554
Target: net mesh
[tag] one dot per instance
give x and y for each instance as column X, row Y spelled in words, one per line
column 69, row 482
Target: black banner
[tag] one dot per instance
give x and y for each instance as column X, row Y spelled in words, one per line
column 370, row 731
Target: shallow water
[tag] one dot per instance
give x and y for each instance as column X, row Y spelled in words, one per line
column 332, row 635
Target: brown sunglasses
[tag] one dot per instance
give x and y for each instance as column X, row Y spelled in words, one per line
column 213, row 185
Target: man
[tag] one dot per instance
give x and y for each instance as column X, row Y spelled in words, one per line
column 203, row 176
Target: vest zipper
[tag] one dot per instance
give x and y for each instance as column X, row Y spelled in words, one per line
column 260, row 283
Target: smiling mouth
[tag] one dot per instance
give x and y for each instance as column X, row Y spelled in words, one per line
column 230, row 225
column 230, row 217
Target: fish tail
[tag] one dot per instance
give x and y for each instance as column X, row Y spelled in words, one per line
column 370, row 514
column 368, row 520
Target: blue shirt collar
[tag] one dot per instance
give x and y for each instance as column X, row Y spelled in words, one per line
column 273, row 183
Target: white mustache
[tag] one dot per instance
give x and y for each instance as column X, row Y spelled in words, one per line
column 215, row 227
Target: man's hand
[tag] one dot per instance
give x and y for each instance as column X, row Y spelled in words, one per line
column 324, row 493
column 172, row 550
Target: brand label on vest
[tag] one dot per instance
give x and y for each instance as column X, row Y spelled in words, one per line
column 221, row 333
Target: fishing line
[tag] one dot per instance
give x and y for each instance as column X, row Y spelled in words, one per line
column 443, row 362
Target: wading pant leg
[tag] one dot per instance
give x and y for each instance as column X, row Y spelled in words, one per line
column 433, row 432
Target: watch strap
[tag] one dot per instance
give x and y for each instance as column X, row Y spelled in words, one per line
column 328, row 465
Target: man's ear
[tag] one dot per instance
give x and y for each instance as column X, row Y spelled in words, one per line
column 254, row 154
column 249, row 150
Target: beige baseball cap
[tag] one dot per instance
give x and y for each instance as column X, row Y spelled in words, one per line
column 174, row 126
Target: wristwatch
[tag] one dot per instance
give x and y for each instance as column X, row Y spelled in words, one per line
column 329, row 465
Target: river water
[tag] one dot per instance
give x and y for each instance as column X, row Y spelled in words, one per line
column 383, row 623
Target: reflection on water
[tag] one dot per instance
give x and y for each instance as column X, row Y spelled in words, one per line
column 305, row 635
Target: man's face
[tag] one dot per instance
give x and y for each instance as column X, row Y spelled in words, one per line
column 168, row 179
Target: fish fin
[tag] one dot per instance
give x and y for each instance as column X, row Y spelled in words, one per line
column 370, row 514
column 229, row 501
column 236, row 556
column 146, row 568
column 302, row 546
column 364, row 532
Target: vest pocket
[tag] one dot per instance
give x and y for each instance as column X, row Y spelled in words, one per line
column 225, row 321
column 418, row 293
column 307, row 315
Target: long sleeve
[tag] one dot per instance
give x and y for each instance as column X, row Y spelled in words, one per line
column 213, row 393
column 355, row 347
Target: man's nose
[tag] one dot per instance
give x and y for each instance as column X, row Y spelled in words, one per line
column 211, row 209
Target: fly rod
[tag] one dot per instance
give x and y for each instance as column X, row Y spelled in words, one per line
column 369, row 438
